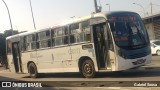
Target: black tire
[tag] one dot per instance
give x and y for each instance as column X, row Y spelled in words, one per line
column 87, row 69
column 158, row 52
column 32, row 69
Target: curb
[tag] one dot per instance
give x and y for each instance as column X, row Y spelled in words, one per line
column 5, row 71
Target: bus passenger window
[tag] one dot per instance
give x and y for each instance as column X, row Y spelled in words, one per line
column 65, row 39
column 86, row 30
column 33, row 42
column 74, row 33
column 24, row 44
column 58, row 41
column 49, row 43
column 58, row 36
column 66, row 32
column 28, row 40
column 48, row 34
column 65, row 35
column 44, row 39
column 37, row 43
column 53, row 36
column 88, row 34
column 33, row 37
column 28, row 46
column 79, row 37
column 53, row 41
column 33, row 45
column 72, row 39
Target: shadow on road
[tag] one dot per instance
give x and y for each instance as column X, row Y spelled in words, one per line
column 58, row 75
column 148, row 72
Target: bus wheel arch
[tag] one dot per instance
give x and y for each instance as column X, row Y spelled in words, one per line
column 86, row 67
column 32, row 69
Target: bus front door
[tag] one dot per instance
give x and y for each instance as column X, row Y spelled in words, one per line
column 101, row 46
column 16, row 57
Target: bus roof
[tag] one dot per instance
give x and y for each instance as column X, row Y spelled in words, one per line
column 93, row 15
column 80, row 19
column 20, row 34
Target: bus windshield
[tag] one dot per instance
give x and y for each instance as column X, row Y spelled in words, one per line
column 128, row 30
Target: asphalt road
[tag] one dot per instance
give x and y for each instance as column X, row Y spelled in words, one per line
column 146, row 74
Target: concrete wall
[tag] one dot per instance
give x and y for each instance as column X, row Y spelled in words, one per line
column 150, row 30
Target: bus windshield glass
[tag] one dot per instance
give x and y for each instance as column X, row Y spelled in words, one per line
column 128, row 30
column 157, row 42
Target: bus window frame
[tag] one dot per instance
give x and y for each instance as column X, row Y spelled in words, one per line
column 23, row 43
column 84, row 33
column 61, row 36
column 46, row 39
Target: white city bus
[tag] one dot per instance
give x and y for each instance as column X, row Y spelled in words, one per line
column 101, row 42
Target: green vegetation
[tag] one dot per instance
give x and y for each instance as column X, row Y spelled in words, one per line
column 3, row 57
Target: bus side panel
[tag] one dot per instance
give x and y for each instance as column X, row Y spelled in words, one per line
column 113, row 60
column 77, row 52
column 26, row 57
column 45, row 61
column 52, row 60
column 67, row 62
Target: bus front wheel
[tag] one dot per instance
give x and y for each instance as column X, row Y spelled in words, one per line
column 33, row 70
column 87, row 69
column 158, row 52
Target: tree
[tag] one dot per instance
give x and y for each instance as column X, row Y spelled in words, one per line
column 3, row 50
column 3, row 55
column 10, row 32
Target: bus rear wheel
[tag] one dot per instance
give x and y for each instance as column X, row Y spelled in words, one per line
column 33, row 70
column 87, row 69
